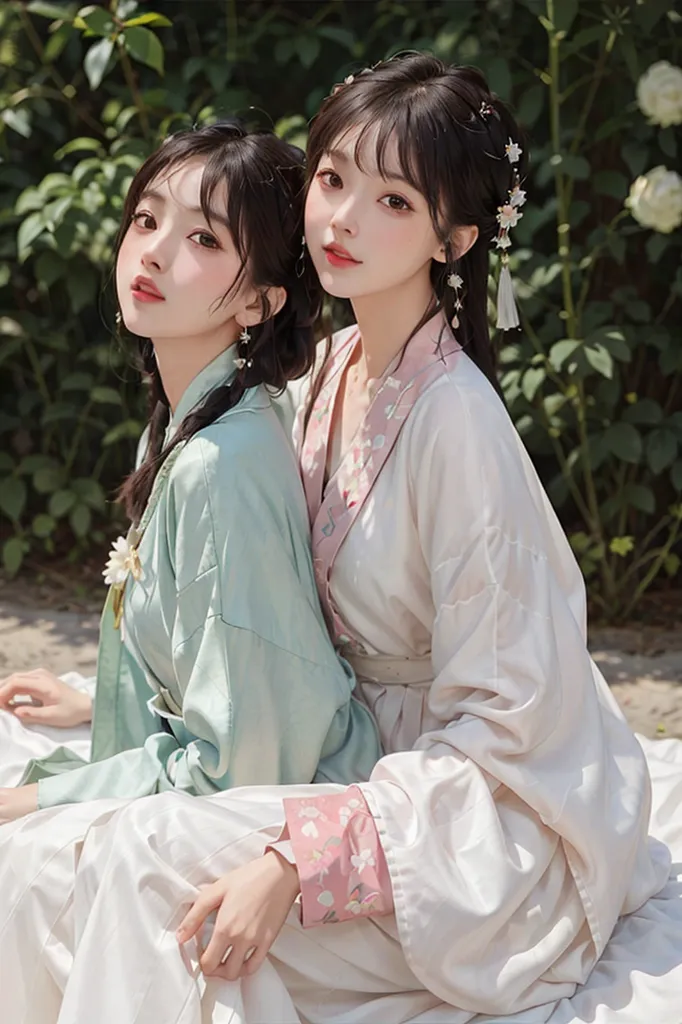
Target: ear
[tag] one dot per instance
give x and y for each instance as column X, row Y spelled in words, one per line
column 252, row 313
column 461, row 240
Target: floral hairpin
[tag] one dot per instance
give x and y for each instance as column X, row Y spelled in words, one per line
column 485, row 110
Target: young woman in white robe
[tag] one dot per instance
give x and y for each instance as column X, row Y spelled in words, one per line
column 497, row 865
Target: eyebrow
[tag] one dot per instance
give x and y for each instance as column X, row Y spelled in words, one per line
column 150, row 193
column 342, row 158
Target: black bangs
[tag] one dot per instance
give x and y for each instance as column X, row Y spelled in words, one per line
column 427, row 116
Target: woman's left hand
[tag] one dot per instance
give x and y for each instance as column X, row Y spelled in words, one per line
column 16, row 803
column 252, row 902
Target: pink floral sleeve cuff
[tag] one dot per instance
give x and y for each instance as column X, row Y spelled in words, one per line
column 340, row 862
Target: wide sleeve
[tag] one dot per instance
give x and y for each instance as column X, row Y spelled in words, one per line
column 501, row 827
column 253, row 692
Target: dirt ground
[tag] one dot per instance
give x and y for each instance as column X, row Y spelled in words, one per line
column 643, row 665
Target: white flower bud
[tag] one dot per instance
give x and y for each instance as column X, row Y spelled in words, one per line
column 655, row 200
column 659, row 93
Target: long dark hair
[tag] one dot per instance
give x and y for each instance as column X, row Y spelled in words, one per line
column 451, row 133
column 265, row 181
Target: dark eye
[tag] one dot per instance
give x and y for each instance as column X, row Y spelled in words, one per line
column 205, row 240
column 144, row 220
column 395, row 202
column 330, row 178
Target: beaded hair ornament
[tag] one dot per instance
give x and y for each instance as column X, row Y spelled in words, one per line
column 508, row 216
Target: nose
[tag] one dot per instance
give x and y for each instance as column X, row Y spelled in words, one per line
column 344, row 219
column 152, row 255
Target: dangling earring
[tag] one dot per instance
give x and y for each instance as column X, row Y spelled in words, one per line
column 455, row 282
column 300, row 262
column 118, row 318
column 244, row 359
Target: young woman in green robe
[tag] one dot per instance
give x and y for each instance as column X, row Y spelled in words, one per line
column 215, row 668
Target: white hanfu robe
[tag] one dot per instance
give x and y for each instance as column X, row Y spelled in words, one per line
column 512, row 807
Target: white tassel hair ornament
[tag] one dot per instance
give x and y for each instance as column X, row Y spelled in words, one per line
column 508, row 217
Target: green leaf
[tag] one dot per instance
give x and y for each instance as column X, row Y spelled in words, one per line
column 636, row 157
column 611, row 183
column 565, row 14
column 338, row 35
column 32, row 463
column 54, row 12
column 57, row 42
column 29, row 230
column 641, row 498
column 531, row 105
column 149, row 19
column 49, row 267
column 81, row 285
column 13, row 498
column 600, row 359
column 144, row 46
column 96, row 61
column 80, row 519
column 656, row 245
column 12, row 555
column 48, row 480
column 499, row 76
column 532, row 379
column 561, row 351
column 284, row 49
column 128, row 429
column 43, row 525
column 89, row 491
column 308, row 49
column 668, row 142
column 18, row 120
column 575, row 166
column 60, row 503
column 77, row 382
column 95, row 19
column 82, row 143
column 661, row 449
column 106, row 396
column 646, row 410
column 625, row 441
column 612, row 338
column 672, row 565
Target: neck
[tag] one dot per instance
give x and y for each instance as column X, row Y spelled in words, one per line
column 180, row 360
column 386, row 320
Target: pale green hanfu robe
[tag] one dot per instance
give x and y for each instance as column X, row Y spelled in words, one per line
column 222, row 673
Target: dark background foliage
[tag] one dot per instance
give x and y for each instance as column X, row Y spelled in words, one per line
column 592, row 380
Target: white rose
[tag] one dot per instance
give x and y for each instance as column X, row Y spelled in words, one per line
column 655, row 200
column 659, row 93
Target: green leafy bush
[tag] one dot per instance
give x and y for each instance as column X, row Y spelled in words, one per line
column 593, row 380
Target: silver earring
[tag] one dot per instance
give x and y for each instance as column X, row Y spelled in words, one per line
column 244, row 360
column 118, row 318
column 455, row 282
column 300, row 262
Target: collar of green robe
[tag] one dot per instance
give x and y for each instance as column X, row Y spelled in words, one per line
column 219, row 371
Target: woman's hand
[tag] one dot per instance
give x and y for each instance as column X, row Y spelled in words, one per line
column 253, row 903
column 53, row 702
column 16, row 803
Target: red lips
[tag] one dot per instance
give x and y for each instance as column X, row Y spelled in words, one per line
column 144, row 289
column 339, row 257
